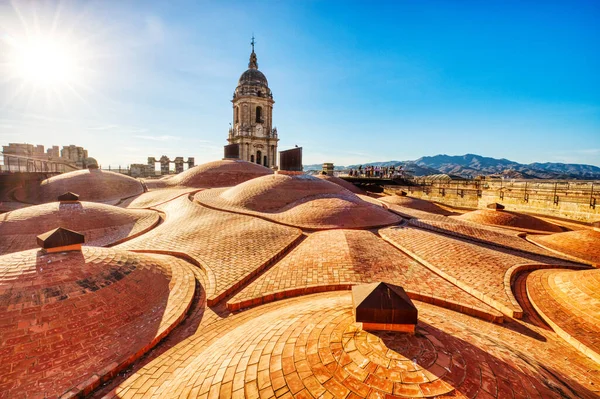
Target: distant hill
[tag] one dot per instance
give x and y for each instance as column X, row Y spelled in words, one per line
column 472, row 165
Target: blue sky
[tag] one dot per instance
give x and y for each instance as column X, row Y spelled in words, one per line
column 353, row 82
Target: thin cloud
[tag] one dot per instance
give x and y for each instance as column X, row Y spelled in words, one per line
column 157, row 138
column 123, row 129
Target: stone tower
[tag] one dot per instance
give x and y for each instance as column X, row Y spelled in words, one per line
column 252, row 126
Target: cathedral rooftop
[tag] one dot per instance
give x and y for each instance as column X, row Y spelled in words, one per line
column 244, row 290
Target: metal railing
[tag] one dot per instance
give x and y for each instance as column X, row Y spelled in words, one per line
column 11, row 163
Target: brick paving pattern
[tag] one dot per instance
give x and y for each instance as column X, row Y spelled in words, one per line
column 93, row 319
column 486, row 234
column 582, row 245
column 101, row 224
column 69, row 320
column 338, row 259
column 570, row 302
column 91, row 185
column 510, row 220
column 230, row 248
column 302, row 201
column 477, row 268
column 309, row 347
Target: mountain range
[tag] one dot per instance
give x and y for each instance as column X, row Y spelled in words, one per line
column 472, row 165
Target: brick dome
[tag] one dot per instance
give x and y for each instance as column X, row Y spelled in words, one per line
column 225, row 173
column 569, row 301
column 341, row 182
column 301, row 201
column 101, row 224
column 91, row 184
column 508, row 219
column 582, row 245
column 81, row 316
column 415, row 203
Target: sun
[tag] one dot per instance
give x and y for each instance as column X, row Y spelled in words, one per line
column 44, row 61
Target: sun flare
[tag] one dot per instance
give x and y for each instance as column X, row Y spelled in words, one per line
column 44, row 61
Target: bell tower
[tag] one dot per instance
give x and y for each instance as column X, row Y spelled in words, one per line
column 252, row 126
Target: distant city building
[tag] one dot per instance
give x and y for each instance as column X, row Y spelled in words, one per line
column 21, row 153
column 75, row 154
column 252, row 126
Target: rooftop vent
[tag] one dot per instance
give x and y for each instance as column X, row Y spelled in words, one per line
column 232, row 151
column 68, row 197
column 60, row 239
column 401, row 193
column 495, row 206
column 291, row 161
column 384, row 306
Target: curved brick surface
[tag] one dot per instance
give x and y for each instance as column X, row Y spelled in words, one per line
column 91, row 185
column 231, row 248
column 477, row 268
column 508, row 219
column 415, row 203
column 302, row 201
column 338, row 259
column 583, row 245
column 225, row 173
column 70, row 320
column 100, row 224
column 8, row 206
column 341, row 182
column 309, row 347
column 156, row 197
column 570, row 302
column 487, row 234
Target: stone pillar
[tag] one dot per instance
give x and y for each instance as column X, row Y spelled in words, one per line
column 328, row 168
column 164, row 165
column 178, row 164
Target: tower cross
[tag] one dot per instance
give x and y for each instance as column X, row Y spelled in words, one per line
column 252, row 42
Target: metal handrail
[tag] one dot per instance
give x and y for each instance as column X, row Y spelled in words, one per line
column 30, row 164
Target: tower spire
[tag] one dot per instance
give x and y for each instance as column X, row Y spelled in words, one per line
column 253, row 64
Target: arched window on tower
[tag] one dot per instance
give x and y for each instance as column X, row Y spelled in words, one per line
column 237, row 114
column 259, row 117
column 251, row 158
column 258, row 156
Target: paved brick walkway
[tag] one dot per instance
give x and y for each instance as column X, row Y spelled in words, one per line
column 70, row 320
column 100, row 224
column 302, row 201
column 91, row 185
column 338, row 259
column 477, row 268
column 309, row 347
column 230, row 248
column 570, row 302
column 583, row 245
